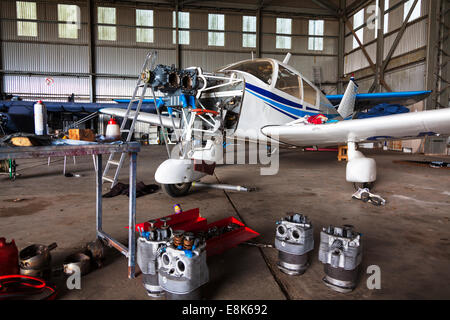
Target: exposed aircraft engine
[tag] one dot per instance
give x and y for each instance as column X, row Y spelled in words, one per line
column 208, row 106
column 341, row 253
column 163, row 78
column 294, row 239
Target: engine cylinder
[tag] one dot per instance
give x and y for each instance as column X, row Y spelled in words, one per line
column 183, row 270
column 341, row 253
column 294, row 239
column 149, row 248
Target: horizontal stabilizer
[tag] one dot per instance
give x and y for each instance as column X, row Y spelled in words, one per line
column 369, row 100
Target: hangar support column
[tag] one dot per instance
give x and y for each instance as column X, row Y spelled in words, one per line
column 341, row 47
column 92, row 53
column 2, row 90
column 432, row 53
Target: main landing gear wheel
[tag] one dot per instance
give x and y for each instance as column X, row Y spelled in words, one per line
column 177, row 190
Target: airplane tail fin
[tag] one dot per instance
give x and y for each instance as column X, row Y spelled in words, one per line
column 347, row 105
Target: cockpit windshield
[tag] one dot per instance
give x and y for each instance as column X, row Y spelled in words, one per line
column 260, row 68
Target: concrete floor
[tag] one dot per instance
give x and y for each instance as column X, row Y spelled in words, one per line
column 408, row 238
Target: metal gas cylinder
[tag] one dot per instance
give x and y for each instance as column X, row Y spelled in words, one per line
column 9, row 258
column 341, row 253
column 182, row 267
column 112, row 130
column 294, row 239
column 40, row 118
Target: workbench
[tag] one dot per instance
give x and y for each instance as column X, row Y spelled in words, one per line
column 132, row 148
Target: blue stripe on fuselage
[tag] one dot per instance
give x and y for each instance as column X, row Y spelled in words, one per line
column 292, row 112
column 281, row 104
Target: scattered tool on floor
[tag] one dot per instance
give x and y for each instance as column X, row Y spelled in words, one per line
column 341, row 253
column 257, row 244
column 71, row 175
column 223, row 186
column 294, row 239
column 364, row 195
column 430, row 164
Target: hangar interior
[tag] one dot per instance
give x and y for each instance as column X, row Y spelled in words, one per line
column 92, row 52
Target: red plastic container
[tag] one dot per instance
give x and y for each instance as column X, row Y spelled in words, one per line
column 9, row 258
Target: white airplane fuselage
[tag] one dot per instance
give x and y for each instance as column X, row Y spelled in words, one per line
column 264, row 104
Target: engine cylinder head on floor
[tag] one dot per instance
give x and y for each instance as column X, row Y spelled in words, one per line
column 341, row 253
column 294, row 239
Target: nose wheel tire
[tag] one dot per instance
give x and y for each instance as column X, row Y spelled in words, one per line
column 177, row 190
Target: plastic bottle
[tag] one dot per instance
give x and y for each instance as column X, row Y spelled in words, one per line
column 112, row 130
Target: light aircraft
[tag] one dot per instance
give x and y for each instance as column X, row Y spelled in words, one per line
column 267, row 99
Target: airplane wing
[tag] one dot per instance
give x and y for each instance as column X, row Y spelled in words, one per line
column 26, row 107
column 368, row 100
column 143, row 117
column 394, row 127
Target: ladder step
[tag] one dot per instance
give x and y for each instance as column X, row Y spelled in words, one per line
column 125, row 130
column 114, row 162
column 108, row 179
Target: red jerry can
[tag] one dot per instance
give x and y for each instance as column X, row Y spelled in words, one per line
column 9, row 258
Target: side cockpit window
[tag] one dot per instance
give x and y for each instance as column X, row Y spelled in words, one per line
column 309, row 93
column 261, row 69
column 288, row 82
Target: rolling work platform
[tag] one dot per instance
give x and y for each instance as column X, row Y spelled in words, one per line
column 132, row 148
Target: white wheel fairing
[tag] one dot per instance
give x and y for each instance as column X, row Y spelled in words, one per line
column 177, row 171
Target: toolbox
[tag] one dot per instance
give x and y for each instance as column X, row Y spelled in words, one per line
column 224, row 234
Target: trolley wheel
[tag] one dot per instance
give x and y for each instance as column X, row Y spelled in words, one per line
column 177, row 190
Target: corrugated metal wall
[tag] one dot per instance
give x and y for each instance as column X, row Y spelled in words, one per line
column 65, row 62
column 410, row 77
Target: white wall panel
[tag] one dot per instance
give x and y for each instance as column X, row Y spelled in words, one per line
column 63, row 86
